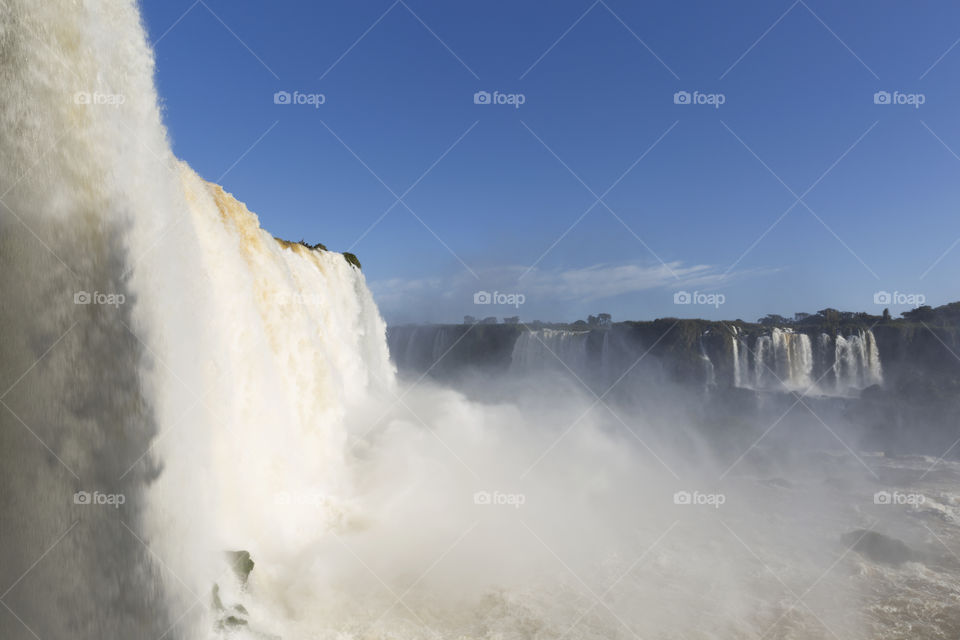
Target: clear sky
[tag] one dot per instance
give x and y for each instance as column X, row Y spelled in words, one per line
column 798, row 192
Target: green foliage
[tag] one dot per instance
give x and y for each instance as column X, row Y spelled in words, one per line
column 925, row 313
column 773, row 320
column 314, row 247
column 829, row 316
column 352, row 259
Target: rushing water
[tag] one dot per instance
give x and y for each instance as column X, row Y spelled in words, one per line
column 223, row 390
column 786, row 359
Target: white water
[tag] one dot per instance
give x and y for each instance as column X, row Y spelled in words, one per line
column 709, row 373
column 785, row 359
column 762, row 361
column 242, row 397
column 551, row 350
column 857, row 362
column 794, row 358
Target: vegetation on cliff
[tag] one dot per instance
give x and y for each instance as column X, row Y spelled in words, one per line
column 319, row 246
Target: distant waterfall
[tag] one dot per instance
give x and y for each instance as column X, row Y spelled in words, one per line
column 551, row 349
column 708, row 368
column 761, row 361
column 422, row 348
column 786, row 359
column 600, row 360
column 741, row 360
column 857, row 362
column 793, row 357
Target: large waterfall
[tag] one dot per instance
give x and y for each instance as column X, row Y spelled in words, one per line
column 156, row 345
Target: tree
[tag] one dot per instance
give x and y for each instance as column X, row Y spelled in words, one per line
column 830, row 316
column 773, row 320
column 923, row 313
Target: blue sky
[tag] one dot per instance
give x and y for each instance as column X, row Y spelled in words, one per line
column 501, row 195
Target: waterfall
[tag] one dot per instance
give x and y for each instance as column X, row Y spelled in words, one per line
column 786, row 359
column 826, row 362
column 762, row 361
column 874, row 369
column 551, row 350
column 793, row 358
column 158, row 346
column 846, row 363
column 708, row 368
column 737, row 365
column 857, row 361
column 741, row 359
column 89, row 188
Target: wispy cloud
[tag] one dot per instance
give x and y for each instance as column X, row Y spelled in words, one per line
column 549, row 293
column 601, row 281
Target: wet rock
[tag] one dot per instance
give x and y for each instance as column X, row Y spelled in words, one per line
column 241, row 563
column 879, row 547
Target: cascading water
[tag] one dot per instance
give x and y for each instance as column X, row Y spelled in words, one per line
column 857, row 362
column 793, row 357
column 762, row 361
column 551, row 349
column 157, row 348
column 84, row 201
column 786, row 359
column 709, row 372
column 741, row 359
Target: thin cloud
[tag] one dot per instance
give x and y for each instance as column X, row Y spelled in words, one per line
column 450, row 297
